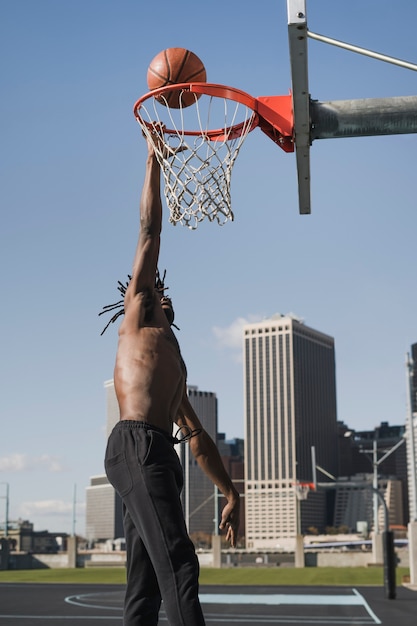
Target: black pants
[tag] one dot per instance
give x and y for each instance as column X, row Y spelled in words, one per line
column 144, row 468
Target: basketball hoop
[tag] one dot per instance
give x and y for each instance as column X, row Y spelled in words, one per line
column 197, row 164
column 302, row 490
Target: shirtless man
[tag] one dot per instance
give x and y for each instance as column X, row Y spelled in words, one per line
column 141, row 462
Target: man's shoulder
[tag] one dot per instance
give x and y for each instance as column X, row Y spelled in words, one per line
column 144, row 296
column 139, row 309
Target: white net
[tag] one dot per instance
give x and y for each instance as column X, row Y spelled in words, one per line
column 197, row 168
column 301, row 491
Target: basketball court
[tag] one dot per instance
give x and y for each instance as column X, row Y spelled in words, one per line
column 59, row 604
column 198, row 129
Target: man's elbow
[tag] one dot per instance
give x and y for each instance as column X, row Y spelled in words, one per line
column 199, row 445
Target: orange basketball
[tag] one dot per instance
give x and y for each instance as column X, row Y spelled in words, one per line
column 176, row 65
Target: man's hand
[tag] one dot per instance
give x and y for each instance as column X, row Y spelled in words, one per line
column 156, row 141
column 230, row 521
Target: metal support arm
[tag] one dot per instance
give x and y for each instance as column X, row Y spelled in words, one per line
column 363, row 118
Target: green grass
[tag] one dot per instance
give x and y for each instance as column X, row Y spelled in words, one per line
column 352, row 576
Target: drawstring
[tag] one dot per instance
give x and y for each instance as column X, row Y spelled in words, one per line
column 189, row 433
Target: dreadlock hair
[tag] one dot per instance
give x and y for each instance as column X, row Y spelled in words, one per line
column 160, row 282
column 159, row 286
column 116, row 305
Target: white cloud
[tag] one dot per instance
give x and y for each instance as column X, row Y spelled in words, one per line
column 51, row 463
column 22, row 462
column 13, row 463
column 44, row 507
column 231, row 337
column 29, row 510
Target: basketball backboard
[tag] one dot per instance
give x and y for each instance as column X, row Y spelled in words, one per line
column 297, row 37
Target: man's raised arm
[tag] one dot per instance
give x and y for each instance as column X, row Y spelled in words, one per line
column 147, row 252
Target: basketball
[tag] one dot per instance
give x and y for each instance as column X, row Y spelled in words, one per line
column 176, row 65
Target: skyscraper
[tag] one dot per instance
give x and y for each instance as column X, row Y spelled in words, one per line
column 413, row 377
column 103, row 511
column 411, row 432
column 290, row 406
column 199, row 495
column 112, row 407
column 103, row 504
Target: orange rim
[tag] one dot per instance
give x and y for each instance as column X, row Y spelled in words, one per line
column 209, row 89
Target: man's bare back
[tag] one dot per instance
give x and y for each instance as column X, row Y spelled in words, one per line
column 147, row 354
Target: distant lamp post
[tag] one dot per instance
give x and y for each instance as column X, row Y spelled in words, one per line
column 6, row 515
column 375, row 464
column 388, row 536
column 74, row 510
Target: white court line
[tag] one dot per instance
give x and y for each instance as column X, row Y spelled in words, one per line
column 55, row 617
column 278, row 598
column 78, row 601
column 368, row 608
column 354, row 599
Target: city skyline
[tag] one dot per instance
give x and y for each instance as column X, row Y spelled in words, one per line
column 76, row 511
column 72, row 169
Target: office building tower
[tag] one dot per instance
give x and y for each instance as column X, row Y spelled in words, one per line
column 199, row 492
column 103, row 511
column 411, row 432
column 103, row 504
column 290, row 406
column 413, row 378
column 112, row 407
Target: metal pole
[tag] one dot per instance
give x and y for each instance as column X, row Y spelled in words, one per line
column 393, row 449
column 366, row 117
column 74, row 506
column 364, row 51
column 216, row 510
column 6, row 522
column 375, row 464
column 314, row 466
column 389, row 564
column 6, row 513
column 297, row 39
column 375, row 486
column 187, row 487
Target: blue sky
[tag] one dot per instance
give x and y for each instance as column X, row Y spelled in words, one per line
column 71, row 174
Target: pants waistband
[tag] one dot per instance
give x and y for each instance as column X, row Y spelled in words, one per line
column 134, row 424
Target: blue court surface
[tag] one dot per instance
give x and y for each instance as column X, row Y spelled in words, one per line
column 61, row 604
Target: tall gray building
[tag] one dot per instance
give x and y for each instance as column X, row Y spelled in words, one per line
column 411, row 433
column 198, row 494
column 112, row 407
column 413, row 378
column 290, row 406
column 103, row 505
column 103, row 511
